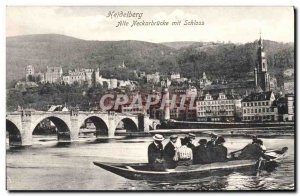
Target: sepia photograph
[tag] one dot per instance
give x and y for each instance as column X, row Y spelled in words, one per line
column 150, row 98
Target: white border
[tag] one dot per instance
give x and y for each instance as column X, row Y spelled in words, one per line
column 5, row 3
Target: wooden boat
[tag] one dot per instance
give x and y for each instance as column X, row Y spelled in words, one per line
column 143, row 171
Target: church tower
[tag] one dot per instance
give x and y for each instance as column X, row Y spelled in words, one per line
column 261, row 75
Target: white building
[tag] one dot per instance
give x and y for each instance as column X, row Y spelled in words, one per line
column 259, row 107
column 218, row 108
column 204, row 81
column 153, row 78
column 175, row 76
column 53, row 74
column 79, row 75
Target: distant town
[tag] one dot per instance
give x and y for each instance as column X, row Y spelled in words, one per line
column 261, row 99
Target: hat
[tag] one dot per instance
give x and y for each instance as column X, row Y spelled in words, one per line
column 184, row 141
column 213, row 135
column 173, row 136
column 259, row 141
column 202, row 141
column 220, row 140
column 192, row 135
column 158, row 137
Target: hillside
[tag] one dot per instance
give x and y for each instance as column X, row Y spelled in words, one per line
column 179, row 45
column 58, row 50
column 218, row 60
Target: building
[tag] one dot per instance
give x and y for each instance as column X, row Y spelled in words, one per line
column 204, row 81
column 53, row 74
column 165, row 82
column 291, row 107
column 175, row 76
column 80, row 76
column 133, row 109
column 21, row 85
column 29, row 70
column 242, row 88
column 31, row 76
column 153, row 78
column 286, row 107
column 191, row 91
column 259, row 107
column 217, row 108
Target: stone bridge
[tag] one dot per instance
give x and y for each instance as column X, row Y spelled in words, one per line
column 21, row 124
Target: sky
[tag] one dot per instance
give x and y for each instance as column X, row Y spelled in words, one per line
column 234, row 24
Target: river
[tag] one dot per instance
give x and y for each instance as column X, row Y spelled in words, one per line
column 47, row 165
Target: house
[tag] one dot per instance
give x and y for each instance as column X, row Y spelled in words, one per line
column 217, row 108
column 259, row 107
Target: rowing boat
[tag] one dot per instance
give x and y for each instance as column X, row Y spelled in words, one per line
column 143, row 171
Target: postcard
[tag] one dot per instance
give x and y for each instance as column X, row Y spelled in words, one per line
column 150, row 98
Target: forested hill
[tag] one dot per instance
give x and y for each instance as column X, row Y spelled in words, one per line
column 190, row 58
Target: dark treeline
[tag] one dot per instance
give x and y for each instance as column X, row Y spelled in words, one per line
column 42, row 97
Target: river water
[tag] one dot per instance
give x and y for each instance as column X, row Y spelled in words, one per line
column 48, row 165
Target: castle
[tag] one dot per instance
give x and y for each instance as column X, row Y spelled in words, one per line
column 80, row 76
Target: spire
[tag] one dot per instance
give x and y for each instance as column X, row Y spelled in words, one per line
column 260, row 41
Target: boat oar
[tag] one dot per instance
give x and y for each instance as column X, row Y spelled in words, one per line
column 233, row 153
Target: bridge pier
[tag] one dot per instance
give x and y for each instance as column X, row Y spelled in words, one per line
column 74, row 132
column 26, row 136
column 111, row 124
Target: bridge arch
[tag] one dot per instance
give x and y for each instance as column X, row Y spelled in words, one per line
column 62, row 128
column 14, row 134
column 99, row 123
column 126, row 124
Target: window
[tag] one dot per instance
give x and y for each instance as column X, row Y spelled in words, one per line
column 267, row 103
column 245, row 111
column 255, row 110
column 255, row 104
column 263, row 110
column 258, row 103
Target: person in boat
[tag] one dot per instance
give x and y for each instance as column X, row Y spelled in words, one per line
column 254, row 139
column 252, row 151
column 155, row 152
column 212, row 142
column 211, row 150
column 191, row 138
column 261, row 144
column 220, row 150
column 184, row 155
column 169, row 152
column 200, row 153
